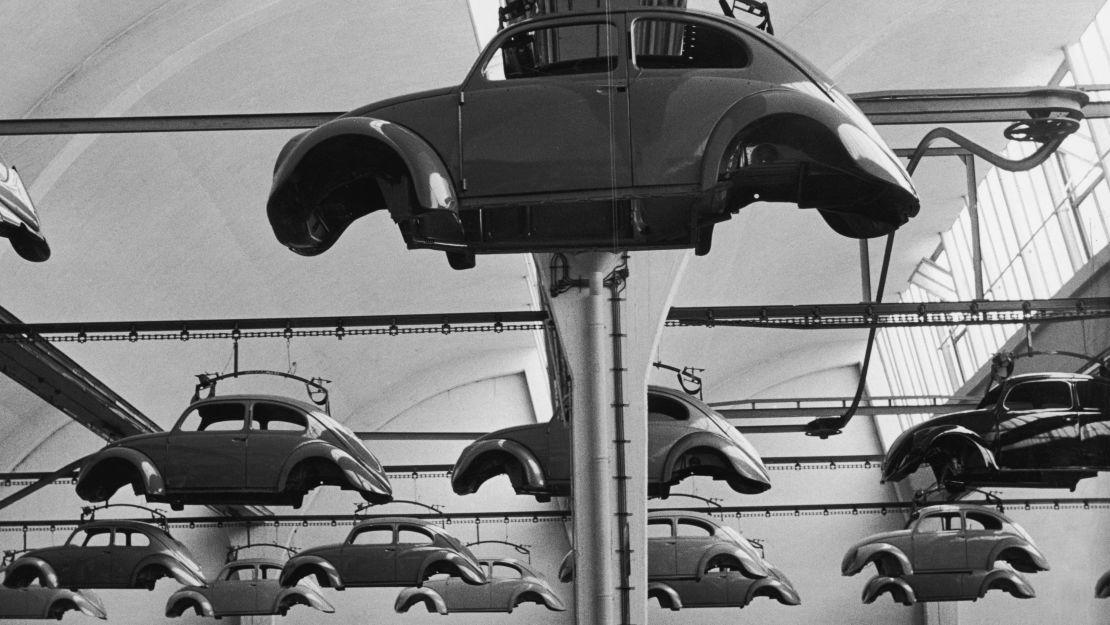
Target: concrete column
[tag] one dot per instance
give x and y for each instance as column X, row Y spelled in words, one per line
column 609, row 328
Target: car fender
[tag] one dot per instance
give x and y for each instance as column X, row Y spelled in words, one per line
column 859, row 150
column 467, row 571
column 189, row 595
column 374, row 487
column 874, row 552
column 1031, row 561
column 773, row 588
column 899, row 589
column 88, row 603
column 752, row 566
column 303, row 565
column 408, row 597
column 178, row 571
column 306, row 596
column 750, row 469
column 666, row 595
column 550, row 600
column 153, row 481
column 532, row 471
column 1014, row 583
column 904, row 459
column 45, row 573
column 566, row 568
column 1102, row 586
column 432, row 184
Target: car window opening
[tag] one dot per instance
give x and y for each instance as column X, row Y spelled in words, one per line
column 1041, row 395
column 558, row 51
column 670, row 44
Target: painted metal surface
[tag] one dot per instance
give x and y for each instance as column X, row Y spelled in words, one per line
column 241, row 449
column 387, row 551
column 511, row 582
column 36, row 602
column 948, row 552
column 19, row 221
column 107, row 554
column 1040, row 429
column 724, row 589
column 685, row 437
column 638, row 128
column 246, row 587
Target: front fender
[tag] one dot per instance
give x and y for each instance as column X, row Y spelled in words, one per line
column 550, row 600
column 467, row 570
column 899, row 590
column 751, row 565
column 373, row 485
column 891, row 559
column 301, row 566
column 98, row 467
column 750, row 474
column 45, row 573
column 303, row 594
column 409, row 597
column 666, row 595
column 180, row 600
column 177, row 571
column 483, row 459
column 915, row 445
column 845, row 169
column 1010, row 581
column 89, row 603
column 1102, row 586
column 315, row 193
column 775, row 588
column 1030, row 560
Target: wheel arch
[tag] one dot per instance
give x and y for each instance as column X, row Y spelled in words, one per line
column 667, row 596
column 409, row 597
column 484, row 460
column 118, row 466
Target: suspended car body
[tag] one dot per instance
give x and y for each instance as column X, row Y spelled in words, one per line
column 387, row 551
column 685, row 437
column 634, row 128
column 36, row 602
column 18, row 220
column 238, row 449
column 948, row 552
column 1037, row 429
column 724, row 589
column 246, row 587
column 511, row 583
column 107, row 554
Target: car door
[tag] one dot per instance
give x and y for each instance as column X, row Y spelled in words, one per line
column 661, row 548
column 692, row 539
column 1038, row 427
column 685, row 73
column 129, row 547
column 939, row 553
column 545, row 110
column 267, row 588
column 460, row 596
column 275, row 431
column 505, row 578
column 89, row 563
column 236, row 591
column 981, row 534
column 207, row 448
column 369, row 556
column 1094, row 421
column 413, row 545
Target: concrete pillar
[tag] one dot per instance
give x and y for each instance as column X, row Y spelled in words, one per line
column 609, row 327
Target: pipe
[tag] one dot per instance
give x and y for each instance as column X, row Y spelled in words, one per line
column 624, row 547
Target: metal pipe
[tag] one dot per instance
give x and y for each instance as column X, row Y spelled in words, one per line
column 973, row 212
column 621, row 439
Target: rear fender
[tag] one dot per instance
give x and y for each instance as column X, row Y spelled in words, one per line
column 317, row 178
column 550, row 600
column 480, row 461
column 1009, row 581
column 666, row 595
column 774, row 589
column 750, row 566
column 99, row 468
column 435, row 560
column 1020, row 555
column 1102, row 586
column 753, row 476
column 175, row 569
column 970, row 447
column 409, row 597
column 898, row 588
column 891, row 559
column 871, row 193
column 185, row 598
column 301, row 595
column 88, row 603
column 374, row 487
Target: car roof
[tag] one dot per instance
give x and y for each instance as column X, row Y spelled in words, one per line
column 404, row 520
column 682, row 514
column 253, row 562
column 1053, row 375
column 958, row 507
column 142, row 526
column 278, row 399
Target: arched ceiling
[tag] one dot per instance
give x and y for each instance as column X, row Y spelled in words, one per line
column 172, row 226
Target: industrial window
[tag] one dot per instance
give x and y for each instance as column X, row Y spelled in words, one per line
column 572, row 49
column 671, row 44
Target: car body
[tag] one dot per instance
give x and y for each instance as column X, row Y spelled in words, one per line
column 36, row 602
column 107, row 554
column 947, row 552
column 19, row 221
column 723, row 589
column 685, row 545
column 237, row 449
column 246, row 587
column 631, row 128
column 1037, row 429
column 511, row 583
column 685, row 437
column 387, row 551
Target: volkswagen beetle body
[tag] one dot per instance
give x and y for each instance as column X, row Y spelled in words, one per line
column 511, row 583
column 36, row 602
column 238, row 449
column 1038, row 429
column 387, row 551
column 724, row 589
column 19, row 221
column 635, row 128
column 685, row 437
column 246, row 587
column 107, row 554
